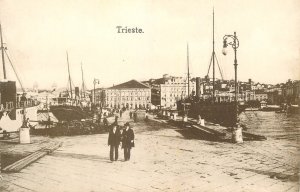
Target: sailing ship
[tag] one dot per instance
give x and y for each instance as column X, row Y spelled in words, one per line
column 224, row 113
column 14, row 107
column 70, row 106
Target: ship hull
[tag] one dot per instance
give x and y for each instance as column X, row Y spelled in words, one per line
column 68, row 113
column 270, row 109
column 294, row 109
column 220, row 113
column 9, row 124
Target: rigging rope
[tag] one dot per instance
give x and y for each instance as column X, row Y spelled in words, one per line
column 209, row 64
column 16, row 73
column 219, row 68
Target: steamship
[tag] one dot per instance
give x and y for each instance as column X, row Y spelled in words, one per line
column 68, row 106
column 14, row 107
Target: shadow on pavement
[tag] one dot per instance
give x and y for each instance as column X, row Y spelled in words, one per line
column 274, row 175
column 82, row 156
column 191, row 134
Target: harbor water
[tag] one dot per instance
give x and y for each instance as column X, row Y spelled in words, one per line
column 278, row 126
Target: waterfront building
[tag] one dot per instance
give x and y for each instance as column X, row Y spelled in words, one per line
column 99, row 98
column 261, row 95
column 166, row 91
column 247, row 95
column 131, row 94
column 291, row 92
column 46, row 97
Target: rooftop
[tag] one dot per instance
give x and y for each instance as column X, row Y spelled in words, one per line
column 132, row 84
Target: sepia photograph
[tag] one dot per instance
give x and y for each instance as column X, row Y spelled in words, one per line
column 149, row 95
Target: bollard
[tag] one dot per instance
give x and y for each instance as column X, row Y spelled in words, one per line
column 199, row 120
column 174, row 116
column 237, row 135
column 168, row 114
column 24, row 135
column 202, row 122
column 146, row 118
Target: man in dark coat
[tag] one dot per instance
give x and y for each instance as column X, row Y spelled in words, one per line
column 121, row 112
column 114, row 138
column 127, row 141
column 105, row 122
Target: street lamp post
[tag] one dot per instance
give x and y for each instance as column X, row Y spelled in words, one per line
column 96, row 81
column 234, row 42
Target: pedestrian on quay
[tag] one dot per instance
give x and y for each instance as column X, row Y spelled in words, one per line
column 105, row 123
column 99, row 118
column 48, row 122
column 121, row 111
column 130, row 115
column 127, row 141
column 114, row 138
column 26, row 123
column 135, row 116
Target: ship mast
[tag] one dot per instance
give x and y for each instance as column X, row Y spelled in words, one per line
column 70, row 82
column 213, row 55
column 214, row 59
column 83, row 86
column 188, row 68
column 2, row 51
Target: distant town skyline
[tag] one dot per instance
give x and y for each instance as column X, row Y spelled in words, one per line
column 38, row 34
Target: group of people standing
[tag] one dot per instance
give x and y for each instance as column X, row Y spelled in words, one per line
column 116, row 136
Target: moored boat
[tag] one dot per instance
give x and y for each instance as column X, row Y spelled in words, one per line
column 251, row 109
column 293, row 109
column 224, row 113
column 69, row 107
column 265, row 107
column 290, row 109
column 14, row 109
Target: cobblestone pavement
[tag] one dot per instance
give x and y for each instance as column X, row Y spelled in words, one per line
column 164, row 159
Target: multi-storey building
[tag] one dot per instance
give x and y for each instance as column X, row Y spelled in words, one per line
column 291, row 92
column 166, row 91
column 261, row 95
column 98, row 98
column 131, row 94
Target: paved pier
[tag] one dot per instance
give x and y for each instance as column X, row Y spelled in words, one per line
column 165, row 159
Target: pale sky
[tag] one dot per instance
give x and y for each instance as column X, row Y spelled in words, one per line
column 39, row 32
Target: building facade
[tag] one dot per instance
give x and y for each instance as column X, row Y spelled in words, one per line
column 131, row 95
column 166, row 91
column 261, row 95
column 291, row 92
column 99, row 98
